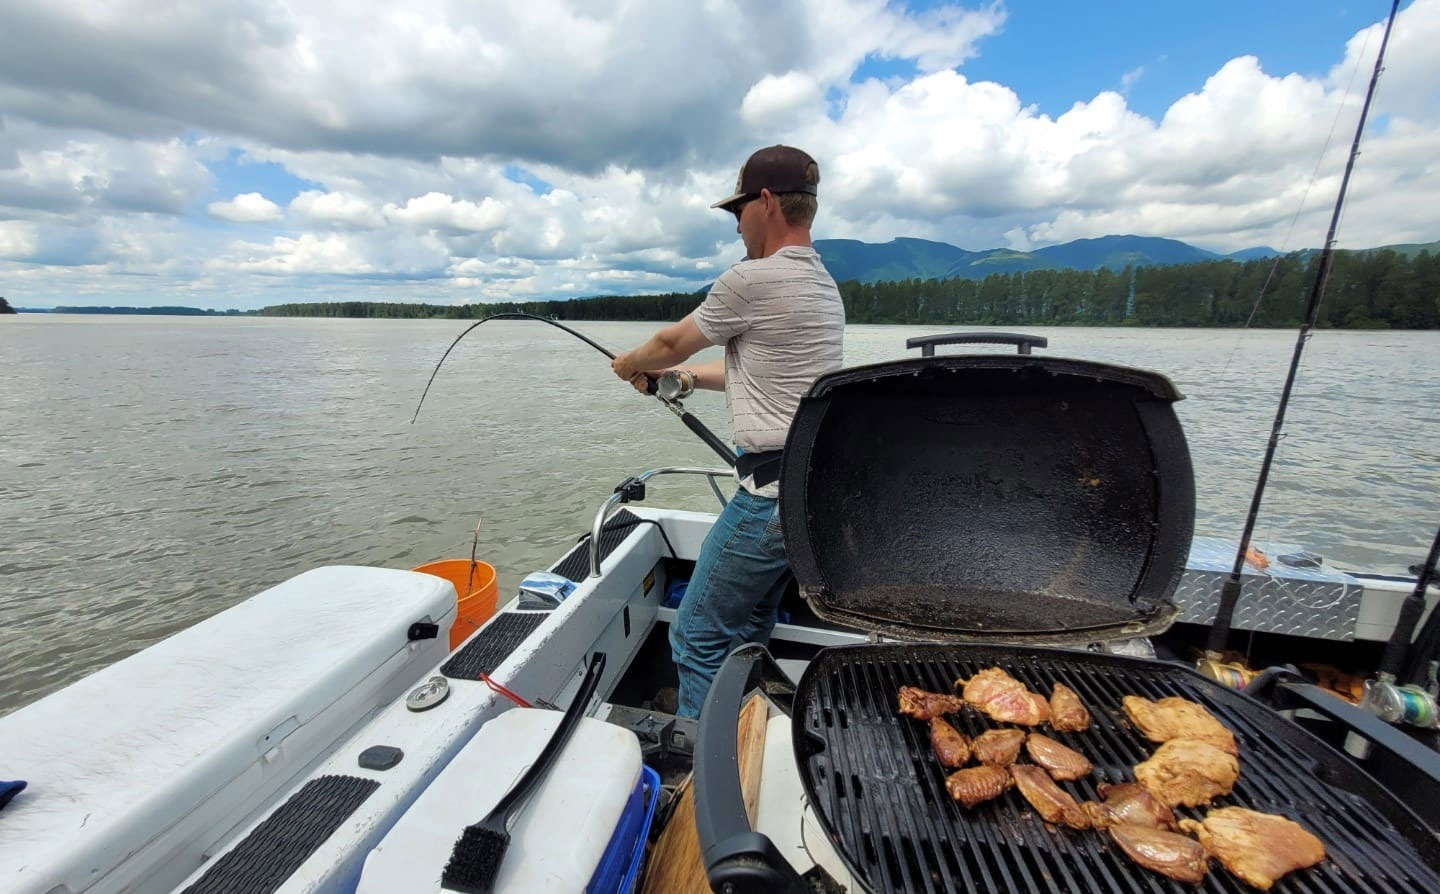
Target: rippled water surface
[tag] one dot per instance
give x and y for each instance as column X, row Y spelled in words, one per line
column 154, row 470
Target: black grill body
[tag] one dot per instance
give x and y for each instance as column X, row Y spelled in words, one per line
column 873, row 779
column 968, row 500
column 974, row 498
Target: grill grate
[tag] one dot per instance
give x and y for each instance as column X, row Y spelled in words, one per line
column 880, row 793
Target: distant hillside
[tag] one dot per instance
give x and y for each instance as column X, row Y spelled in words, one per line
column 868, row 262
column 851, row 259
column 1253, row 254
column 1119, row 252
column 997, row 260
column 1410, row 250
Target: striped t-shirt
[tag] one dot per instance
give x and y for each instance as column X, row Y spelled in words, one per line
column 783, row 324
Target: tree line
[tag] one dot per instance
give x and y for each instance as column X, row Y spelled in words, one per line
column 1375, row 289
column 162, row 311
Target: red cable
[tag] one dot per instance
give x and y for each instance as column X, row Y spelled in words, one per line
column 503, row 691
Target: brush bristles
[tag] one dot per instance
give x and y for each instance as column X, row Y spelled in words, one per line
column 475, row 860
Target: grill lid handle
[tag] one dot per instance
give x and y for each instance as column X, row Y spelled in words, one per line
column 738, row 860
column 1023, row 343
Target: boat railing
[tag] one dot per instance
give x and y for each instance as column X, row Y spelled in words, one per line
column 634, row 489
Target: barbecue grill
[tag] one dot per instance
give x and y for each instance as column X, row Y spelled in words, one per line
column 959, row 503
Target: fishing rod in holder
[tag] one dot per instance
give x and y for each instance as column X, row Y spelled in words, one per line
column 1212, row 665
column 1394, row 694
column 669, row 388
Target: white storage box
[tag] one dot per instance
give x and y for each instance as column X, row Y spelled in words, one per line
column 557, row 840
column 138, row 770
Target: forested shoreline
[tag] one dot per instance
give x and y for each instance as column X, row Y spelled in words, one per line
column 1379, row 289
column 1374, row 290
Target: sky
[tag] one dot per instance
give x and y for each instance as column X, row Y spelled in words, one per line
column 241, row 153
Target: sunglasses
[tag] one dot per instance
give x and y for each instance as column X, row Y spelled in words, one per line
column 739, row 206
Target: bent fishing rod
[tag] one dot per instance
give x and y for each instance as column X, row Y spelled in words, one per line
column 670, row 397
column 1230, row 590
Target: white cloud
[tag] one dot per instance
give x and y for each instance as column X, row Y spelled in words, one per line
column 408, row 131
column 308, row 253
column 248, row 207
column 17, row 239
column 83, row 175
column 337, row 208
column 440, row 211
column 1128, row 79
column 774, row 99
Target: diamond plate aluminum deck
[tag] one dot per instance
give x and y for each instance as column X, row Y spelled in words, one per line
column 1320, row 603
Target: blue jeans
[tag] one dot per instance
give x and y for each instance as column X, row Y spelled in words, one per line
column 733, row 595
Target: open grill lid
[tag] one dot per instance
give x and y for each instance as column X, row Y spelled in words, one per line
column 1017, row 498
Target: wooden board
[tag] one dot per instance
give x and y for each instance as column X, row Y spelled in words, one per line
column 675, row 866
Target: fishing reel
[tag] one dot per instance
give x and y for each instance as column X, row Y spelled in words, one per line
column 676, row 384
column 1410, row 704
column 1232, row 675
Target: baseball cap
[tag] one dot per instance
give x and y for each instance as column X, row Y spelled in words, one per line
column 780, row 169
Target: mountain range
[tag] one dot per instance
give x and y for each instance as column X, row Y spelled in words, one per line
column 905, row 258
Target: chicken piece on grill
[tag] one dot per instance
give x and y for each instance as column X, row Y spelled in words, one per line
column 1053, row 803
column 998, row 747
column 1189, row 772
column 1062, row 761
column 1177, row 718
column 1167, row 853
column 922, row 705
column 1128, row 804
column 1004, row 698
column 1067, row 712
column 1257, row 847
column 951, row 746
column 975, row 784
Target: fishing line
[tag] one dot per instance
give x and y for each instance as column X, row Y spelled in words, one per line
column 1230, row 590
column 1275, row 265
column 695, row 425
column 1300, row 209
column 504, row 316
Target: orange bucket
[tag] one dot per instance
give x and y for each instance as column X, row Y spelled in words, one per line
column 475, row 595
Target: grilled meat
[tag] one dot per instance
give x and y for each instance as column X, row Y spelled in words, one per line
column 922, row 705
column 975, row 784
column 1257, row 847
column 1067, row 712
column 951, row 746
column 1189, row 772
column 1049, row 800
column 998, row 747
column 1177, row 718
column 1128, row 804
column 1004, row 698
column 1167, row 853
column 1062, row 762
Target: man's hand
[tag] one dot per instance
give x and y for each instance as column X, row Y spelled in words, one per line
column 625, row 368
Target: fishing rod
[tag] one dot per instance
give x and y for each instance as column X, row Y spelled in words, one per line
column 1404, row 688
column 1211, row 665
column 669, row 395
column 1426, row 648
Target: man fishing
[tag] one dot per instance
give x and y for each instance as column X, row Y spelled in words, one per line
column 780, row 318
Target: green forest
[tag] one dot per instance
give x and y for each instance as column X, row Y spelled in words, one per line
column 1376, row 289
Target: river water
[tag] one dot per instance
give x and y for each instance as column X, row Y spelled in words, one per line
column 155, row 470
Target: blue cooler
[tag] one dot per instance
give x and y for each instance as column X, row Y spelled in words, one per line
column 620, row 865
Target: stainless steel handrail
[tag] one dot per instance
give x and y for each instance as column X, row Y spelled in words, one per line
column 616, row 498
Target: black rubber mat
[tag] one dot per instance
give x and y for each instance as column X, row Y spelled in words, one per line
column 275, row 849
column 492, row 644
column 576, row 564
